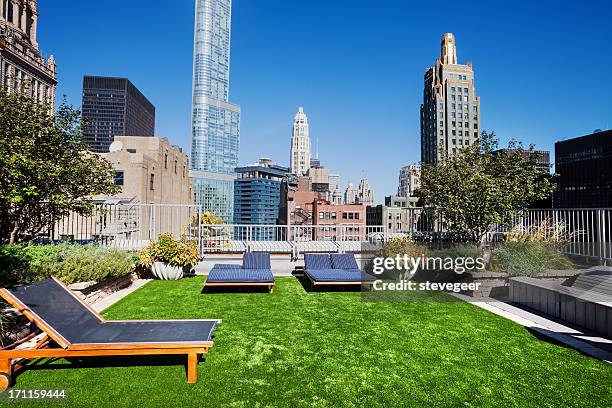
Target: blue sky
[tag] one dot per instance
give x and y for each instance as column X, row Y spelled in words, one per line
column 543, row 69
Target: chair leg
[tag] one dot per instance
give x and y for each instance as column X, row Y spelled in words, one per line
column 192, row 368
column 271, row 288
column 7, row 370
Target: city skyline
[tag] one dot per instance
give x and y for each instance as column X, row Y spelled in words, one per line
column 541, row 107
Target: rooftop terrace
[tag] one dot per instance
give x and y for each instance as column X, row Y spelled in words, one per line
column 296, row 347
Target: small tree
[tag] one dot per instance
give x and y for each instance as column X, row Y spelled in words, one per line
column 478, row 187
column 45, row 168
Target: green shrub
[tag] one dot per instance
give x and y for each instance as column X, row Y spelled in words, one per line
column 455, row 251
column 21, row 264
column 183, row 253
column 400, row 246
column 528, row 258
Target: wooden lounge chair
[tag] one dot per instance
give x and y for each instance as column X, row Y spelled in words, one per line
column 339, row 269
column 73, row 329
column 255, row 271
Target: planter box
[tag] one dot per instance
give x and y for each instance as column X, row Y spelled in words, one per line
column 164, row 271
column 496, row 284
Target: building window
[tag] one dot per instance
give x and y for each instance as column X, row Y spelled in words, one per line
column 166, row 161
column 175, row 166
column 152, row 182
column 119, row 178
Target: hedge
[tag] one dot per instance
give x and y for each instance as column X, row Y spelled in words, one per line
column 22, row 264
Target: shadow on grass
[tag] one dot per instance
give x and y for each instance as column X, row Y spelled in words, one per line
column 43, row 364
column 309, row 287
column 602, row 350
column 211, row 290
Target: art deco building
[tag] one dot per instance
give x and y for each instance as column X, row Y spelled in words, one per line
column 365, row 194
column 113, row 107
column 22, row 65
column 450, row 113
column 300, row 144
column 351, row 195
column 409, row 180
column 215, row 121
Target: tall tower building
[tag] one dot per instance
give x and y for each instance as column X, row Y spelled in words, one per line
column 365, row 193
column 114, row 107
column 450, row 113
column 351, row 195
column 409, row 180
column 21, row 63
column 215, row 121
column 300, row 144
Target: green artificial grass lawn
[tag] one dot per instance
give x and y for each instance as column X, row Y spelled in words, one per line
column 301, row 349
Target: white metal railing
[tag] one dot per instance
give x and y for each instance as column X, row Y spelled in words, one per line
column 227, row 237
column 132, row 225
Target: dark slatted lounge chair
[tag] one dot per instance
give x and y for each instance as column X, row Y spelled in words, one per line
column 73, row 329
column 255, row 271
column 339, row 269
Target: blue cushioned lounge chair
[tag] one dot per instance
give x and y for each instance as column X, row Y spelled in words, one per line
column 255, row 271
column 339, row 269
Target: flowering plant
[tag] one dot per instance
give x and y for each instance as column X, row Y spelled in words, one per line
column 166, row 249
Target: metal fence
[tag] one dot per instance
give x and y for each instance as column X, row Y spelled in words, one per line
column 588, row 232
column 114, row 224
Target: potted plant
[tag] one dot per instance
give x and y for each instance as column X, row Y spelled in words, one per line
column 168, row 258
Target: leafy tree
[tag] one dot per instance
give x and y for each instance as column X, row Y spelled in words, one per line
column 45, row 168
column 480, row 186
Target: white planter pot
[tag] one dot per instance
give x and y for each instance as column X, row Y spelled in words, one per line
column 164, row 271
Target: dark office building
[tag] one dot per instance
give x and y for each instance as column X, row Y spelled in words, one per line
column 114, row 107
column 257, row 195
column 542, row 158
column 584, row 166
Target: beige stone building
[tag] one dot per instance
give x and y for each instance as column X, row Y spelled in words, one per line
column 150, row 171
column 399, row 215
column 22, row 65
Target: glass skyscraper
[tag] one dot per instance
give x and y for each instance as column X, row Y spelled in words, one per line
column 215, row 121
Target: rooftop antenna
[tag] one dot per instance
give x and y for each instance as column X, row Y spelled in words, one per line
column 317, row 147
